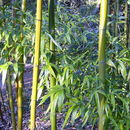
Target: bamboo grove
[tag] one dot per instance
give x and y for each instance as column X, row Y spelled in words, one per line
column 78, row 53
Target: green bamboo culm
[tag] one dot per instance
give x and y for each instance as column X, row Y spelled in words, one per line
column 2, row 100
column 11, row 102
column 3, row 12
column 116, row 17
column 36, row 64
column 51, row 10
column 21, row 73
column 1, row 2
column 14, row 2
column 127, row 24
column 101, row 59
column 1, row 115
column 14, row 12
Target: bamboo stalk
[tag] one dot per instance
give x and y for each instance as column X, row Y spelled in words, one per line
column 2, row 100
column 36, row 64
column 127, row 29
column 51, row 10
column 14, row 11
column 1, row 2
column 127, row 24
column 11, row 102
column 1, row 115
column 16, row 87
column 101, row 58
column 21, row 74
column 20, row 100
column 117, row 15
column 3, row 11
column 14, row 24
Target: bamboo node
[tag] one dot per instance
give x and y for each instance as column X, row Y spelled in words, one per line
column 39, row 20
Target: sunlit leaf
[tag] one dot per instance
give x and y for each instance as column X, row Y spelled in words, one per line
column 110, row 63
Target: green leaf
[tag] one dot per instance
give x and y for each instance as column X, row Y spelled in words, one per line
column 85, row 119
column 110, row 63
column 55, row 66
column 15, row 68
column 129, row 2
column 61, row 100
column 57, row 44
column 44, row 98
column 97, row 101
column 54, row 101
column 113, row 101
column 68, row 37
column 74, row 115
column 40, row 90
column 122, row 68
column 3, row 69
column 79, row 58
column 56, row 89
column 128, row 78
column 125, row 103
column 107, row 108
column 126, row 60
column 4, row 74
column 68, row 115
column 50, row 69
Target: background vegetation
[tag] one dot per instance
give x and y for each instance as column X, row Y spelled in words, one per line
column 81, row 63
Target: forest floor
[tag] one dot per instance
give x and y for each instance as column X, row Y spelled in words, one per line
column 42, row 118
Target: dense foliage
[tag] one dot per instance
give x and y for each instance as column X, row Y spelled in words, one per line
column 77, row 90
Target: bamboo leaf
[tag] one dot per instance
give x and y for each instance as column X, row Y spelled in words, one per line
column 57, row 44
column 54, row 101
column 4, row 74
column 113, row 101
column 74, row 115
column 124, row 102
column 129, row 2
column 85, row 119
column 3, row 69
column 97, row 101
column 126, row 60
column 15, row 66
column 61, row 100
column 40, row 90
column 68, row 115
column 107, row 108
column 122, row 68
column 128, row 78
column 49, row 68
column 110, row 63
column 44, row 98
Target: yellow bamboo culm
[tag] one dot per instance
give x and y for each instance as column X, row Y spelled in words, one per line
column 21, row 75
column 102, row 61
column 36, row 64
column 11, row 102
